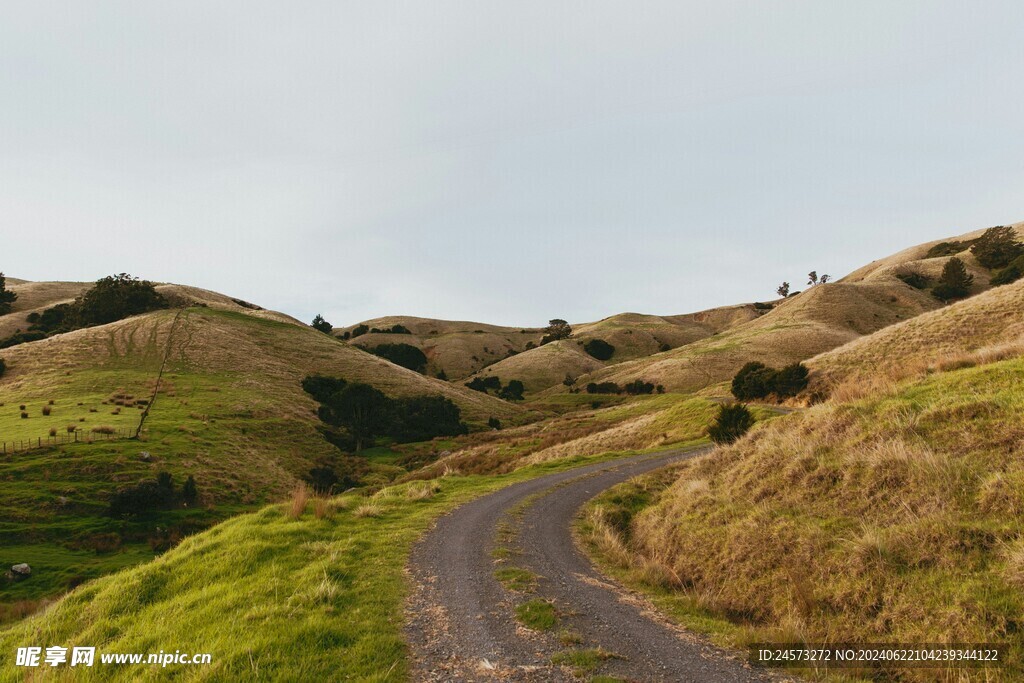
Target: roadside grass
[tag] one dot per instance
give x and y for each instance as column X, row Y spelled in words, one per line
column 538, row 615
column 267, row 595
column 893, row 518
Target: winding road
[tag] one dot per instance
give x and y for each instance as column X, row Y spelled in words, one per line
column 461, row 623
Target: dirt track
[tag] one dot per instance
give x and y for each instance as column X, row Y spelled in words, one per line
column 461, row 620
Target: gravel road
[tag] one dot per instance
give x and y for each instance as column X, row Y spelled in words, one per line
column 461, row 623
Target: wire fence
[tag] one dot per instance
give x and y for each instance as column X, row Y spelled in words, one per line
column 94, row 435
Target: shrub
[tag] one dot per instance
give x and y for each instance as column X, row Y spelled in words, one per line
column 47, row 410
column 323, row 479
column 405, row 355
column 116, row 297
column 759, row 306
column 7, row 297
column 599, row 349
column 189, row 493
column 3, row 367
column 513, row 391
column 1011, row 273
column 484, row 384
column 955, row 281
column 359, row 330
column 997, row 247
column 494, row 423
column 664, row 347
column 53, row 431
column 144, row 496
column 783, row 290
column 604, row 388
column 24, row 415
column 441, row 375
column 914, row 279
column 757, row 380
column 638, row 387
column 322, row 325
column 732, row 422
column 948, row 248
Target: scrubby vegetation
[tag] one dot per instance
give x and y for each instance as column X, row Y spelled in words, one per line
column 732, row 422
column 321, row 325
column 557, row 329
column 155, row 494
column 599, row 349
column 7, row 297
column 955, row 282
column 1011, row 273
column 637, row 387
column 405, row 355
column 757, row 380
column 513, row 391
column 949, row 248
column 997, row 247
column 914, row 278
column 355, row 414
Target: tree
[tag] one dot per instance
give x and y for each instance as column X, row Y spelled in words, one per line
column 812, row 278
column 1011, row 273
column 116, row 297
column 189, row 493
column 360, row 330
column 955, row 282
column 406, row 355
column 322, row 325
column 997, row 247
column 513, row 391
column 824, row 278
column 790, row 380
column 556, row 329
column 599, row 349
column 7, row 297
column 494, row 423
column 783, row 290
column 732, row 422
column 360, row 409
column 752, row 381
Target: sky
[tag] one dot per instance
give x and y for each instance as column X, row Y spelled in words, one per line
column 506, row 162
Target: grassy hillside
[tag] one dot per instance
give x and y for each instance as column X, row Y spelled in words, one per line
column 894, row 518
column 458, row 348
column 981, row 328
column 230, row 412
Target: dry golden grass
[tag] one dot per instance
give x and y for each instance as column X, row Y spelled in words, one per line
column 299, row 501
column 321, row 507
column 895, row 518
column 368, row 510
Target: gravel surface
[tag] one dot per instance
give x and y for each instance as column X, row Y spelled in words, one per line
column 461, row 620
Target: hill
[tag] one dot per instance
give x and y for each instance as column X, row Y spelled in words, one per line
column 633, row 335
column 229, row 411
column 809, row 323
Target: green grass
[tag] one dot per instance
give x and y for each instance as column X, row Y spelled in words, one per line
column 306, row 598
column 583, row 661
column 539, row 615
column 516, row 579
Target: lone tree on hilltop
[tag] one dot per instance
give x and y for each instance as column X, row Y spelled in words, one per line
column 997, row 247
column 116, row 297
column 783, row 290
column 955, row 282
column 7, row 297
column 556, row 329
column 813, row 279
column 322, row 325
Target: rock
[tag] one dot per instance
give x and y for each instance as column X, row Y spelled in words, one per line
column 21, row 571
column 144, row 456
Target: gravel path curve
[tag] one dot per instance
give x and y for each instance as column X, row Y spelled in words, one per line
column 461, row 623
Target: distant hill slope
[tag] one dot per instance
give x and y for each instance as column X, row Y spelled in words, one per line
column 633, row 335
column 806, row 324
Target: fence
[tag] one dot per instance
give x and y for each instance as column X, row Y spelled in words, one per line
column 77, row 436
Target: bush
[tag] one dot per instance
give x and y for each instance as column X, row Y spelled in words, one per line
column 599, row 349
column 638, row 387
column 189, row 493
column 914, row 279
column 21, row 338
column 116, row 297
column 322, row 325
column 759, row 306
column 513, row 391
column 948, row 248
column 144, row 496
column 3, row 367
column 494, row 423
column 955, row 281
column 604, row 388
column 359, row 330
column 757, row 380
column 1011, row 273
column 484, row 384
column 405, row 355
column 997, row 247
column 732, row 422
column 7, row 297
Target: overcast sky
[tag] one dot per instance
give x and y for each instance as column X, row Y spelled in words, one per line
column 500, row 161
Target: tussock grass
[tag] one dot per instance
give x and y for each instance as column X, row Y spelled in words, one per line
column 368, row 510
column 893, row 518
column 299, row 501
column 538, row 615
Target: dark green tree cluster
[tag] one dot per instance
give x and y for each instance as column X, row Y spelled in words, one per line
column 7, row 297
column 955, row 282
column 356, row 414
column 1013, row 271
column 757, row 380
column 513, row 391
column 637, row 387
column 321, row 325
column 557, row 329
column 406, row 355
column 997, row 247
column 112, row 298
column 599, row 349
column 732, row 422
